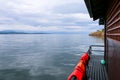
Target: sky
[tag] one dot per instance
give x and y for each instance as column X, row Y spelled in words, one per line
column 46, row 16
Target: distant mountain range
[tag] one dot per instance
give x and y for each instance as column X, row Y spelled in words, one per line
column 20, row 32
column 35, row 32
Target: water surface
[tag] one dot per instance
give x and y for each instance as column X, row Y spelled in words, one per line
column 41, row 56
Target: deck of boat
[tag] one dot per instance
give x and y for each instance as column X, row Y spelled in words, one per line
column 95, row 70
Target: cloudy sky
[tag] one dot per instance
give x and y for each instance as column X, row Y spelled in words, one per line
column 46, row 16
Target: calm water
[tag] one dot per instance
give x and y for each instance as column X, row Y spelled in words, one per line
column 41, row 56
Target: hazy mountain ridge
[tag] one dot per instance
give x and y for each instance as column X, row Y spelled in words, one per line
column 19, row 32
column 35, row 32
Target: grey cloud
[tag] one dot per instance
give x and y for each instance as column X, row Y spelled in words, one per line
column 70, row 8
column 59, row 16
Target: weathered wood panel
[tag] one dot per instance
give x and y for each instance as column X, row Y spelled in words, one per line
column 113, row 40
column 113, row 59
column 113, row 21
column 96, row 72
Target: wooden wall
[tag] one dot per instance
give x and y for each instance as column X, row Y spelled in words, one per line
column 112, row 35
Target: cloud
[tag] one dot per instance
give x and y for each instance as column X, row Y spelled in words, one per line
column 27, row 28
column 45, row 15
column 74, row 7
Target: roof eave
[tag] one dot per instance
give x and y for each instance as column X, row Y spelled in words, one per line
column 96, row 9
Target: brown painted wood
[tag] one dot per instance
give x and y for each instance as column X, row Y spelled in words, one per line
column 113, row 59
column 114, row 28
column 113, row 22
column 112, row 55
column 113, row 5
column 117, row 13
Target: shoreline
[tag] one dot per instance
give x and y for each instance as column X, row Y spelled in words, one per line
column 97, row 34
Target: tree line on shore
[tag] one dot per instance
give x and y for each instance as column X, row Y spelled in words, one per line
column 98, row 33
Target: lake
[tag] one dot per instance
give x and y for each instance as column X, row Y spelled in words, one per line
column 41, row 56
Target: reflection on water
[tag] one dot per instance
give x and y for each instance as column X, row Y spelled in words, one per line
column 41, row 56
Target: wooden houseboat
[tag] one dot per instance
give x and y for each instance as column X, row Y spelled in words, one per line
column 108, row 14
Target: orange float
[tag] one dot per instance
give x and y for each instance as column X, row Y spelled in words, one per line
column 79, row 72
column 85, row 57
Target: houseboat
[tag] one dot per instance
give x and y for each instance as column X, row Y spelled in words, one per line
column 108, row 14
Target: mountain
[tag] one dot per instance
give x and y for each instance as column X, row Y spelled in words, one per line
column 11, row 32
column 36, row 32
column 21, row 32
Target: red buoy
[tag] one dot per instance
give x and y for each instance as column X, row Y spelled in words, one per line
column 80, row 69
column 85, row 57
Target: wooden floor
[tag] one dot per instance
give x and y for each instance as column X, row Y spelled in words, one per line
column 95, row 70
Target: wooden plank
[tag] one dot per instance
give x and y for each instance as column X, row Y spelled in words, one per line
column 118, row 34
column 117, row 13
column 95, row 69
column 111, row 11
column 113, row 22
column 113, row 28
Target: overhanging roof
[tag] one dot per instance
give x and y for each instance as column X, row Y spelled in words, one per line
column 96, row 9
